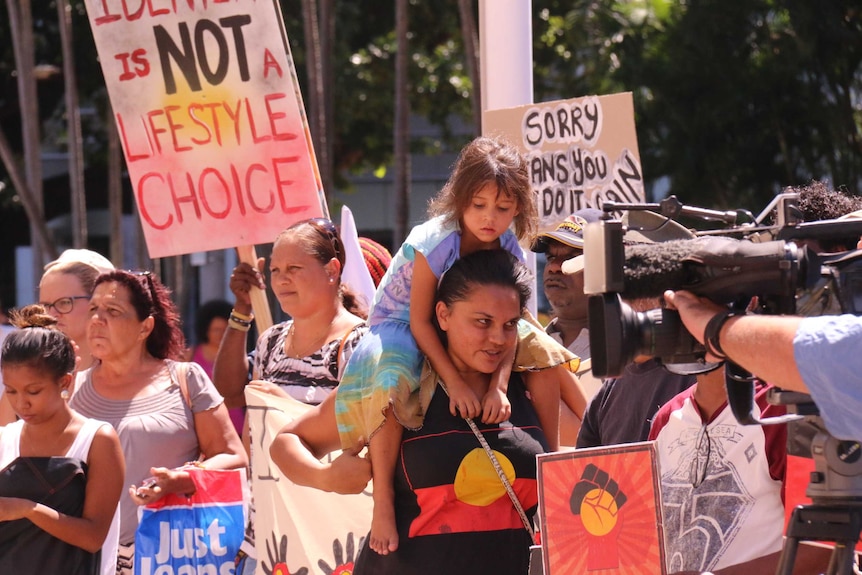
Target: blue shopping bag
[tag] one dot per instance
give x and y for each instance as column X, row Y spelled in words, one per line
column 179, row 535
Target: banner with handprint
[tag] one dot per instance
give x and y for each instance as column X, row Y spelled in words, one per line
column 600, row 510
column 298, row 530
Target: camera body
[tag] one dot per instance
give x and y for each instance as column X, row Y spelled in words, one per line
column 782, row 276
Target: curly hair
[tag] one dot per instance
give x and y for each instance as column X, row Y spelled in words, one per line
column 817, row 201
column 150, row 297
column 488, row 161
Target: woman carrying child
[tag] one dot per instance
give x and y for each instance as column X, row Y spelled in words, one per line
column 488, row 192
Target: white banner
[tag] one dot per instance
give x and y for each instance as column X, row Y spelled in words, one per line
column 298, row 528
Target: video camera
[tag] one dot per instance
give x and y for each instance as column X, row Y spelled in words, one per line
column 729, row 266
column 771, row 264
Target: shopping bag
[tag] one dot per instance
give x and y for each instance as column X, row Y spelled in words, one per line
column 179, row 535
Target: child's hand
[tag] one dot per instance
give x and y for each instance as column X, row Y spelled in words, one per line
column 462, row 401
column 495, row 406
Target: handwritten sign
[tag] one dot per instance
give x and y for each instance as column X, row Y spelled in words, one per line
column 580, row 151
column 210, row 118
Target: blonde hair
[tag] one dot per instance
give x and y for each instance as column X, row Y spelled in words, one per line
column 488, row 161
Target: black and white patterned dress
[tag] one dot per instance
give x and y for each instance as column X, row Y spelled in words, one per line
column 308, row 379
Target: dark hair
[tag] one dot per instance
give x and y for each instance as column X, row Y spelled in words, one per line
column 485, row 267
column 206, row 314
column 38, row 343
column 817, row 202
column 320, row 239
column 481, row 162
column 149, row 296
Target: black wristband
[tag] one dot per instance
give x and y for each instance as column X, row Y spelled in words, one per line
column 713, row 329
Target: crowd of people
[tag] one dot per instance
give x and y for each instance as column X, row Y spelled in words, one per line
column 446, row 369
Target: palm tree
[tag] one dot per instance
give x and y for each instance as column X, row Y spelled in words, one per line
column 21, row 26
column 73, row 128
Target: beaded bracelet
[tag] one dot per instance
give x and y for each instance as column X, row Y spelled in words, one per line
column 241, row 319
column 233, row 323
column 242, row 316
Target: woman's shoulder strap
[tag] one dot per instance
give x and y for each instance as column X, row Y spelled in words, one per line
column 180, row 370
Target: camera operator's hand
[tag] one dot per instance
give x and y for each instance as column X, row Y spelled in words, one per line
column 694, row 311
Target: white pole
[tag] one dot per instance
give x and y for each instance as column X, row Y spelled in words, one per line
column 506, row 63
column 506, row 53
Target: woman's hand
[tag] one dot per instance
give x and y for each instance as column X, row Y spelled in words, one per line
column 267, row 387
column 12, row 508
column 162, row 482
column 242, row 279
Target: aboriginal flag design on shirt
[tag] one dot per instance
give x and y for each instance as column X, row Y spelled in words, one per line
column 452, row 511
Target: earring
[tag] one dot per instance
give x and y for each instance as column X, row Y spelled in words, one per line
column 64, row 394
column 332, row 280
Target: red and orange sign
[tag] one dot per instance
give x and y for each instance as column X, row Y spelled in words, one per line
column 600, row 511
column 210, row 118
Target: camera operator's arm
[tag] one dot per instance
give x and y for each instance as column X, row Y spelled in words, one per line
column 816, row 355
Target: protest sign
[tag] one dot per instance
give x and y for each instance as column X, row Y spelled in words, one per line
column 210, row 118
column 600, row 510
column 200, row 533
column 580, row 151
column 298, row 529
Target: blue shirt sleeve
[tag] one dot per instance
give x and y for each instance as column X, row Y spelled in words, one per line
column 828, row 354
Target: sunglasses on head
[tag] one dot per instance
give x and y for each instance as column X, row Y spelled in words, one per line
column 328, row 230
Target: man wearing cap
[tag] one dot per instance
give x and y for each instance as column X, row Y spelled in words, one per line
column 565, row 293
column 622, row 409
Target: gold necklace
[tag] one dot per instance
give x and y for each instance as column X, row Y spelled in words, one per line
column 290, row 351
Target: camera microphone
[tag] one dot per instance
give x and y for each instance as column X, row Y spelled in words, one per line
column 723, row 269
column 650, row 269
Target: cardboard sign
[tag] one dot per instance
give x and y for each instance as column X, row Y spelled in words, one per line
column 580, row 151
column 298, row 529
column 210, row 119
column 600, row 510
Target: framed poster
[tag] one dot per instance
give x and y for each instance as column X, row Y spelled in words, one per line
column 600, row 511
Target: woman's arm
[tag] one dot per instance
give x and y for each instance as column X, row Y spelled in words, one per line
column 106, row 470
column 299, row 445
column 423, row 292
column 221, row 448
column 220, row 445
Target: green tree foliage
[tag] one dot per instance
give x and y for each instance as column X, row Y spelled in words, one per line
column 733, row 100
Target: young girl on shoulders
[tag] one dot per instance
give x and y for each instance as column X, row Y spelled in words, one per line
column 53, row 443
column 487, row 194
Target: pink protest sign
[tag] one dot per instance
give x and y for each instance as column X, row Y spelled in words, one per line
column 210, row 119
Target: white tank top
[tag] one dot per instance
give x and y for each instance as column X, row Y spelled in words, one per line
column 10, row 442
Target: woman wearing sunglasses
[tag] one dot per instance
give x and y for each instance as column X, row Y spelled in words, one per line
column 167, row 413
